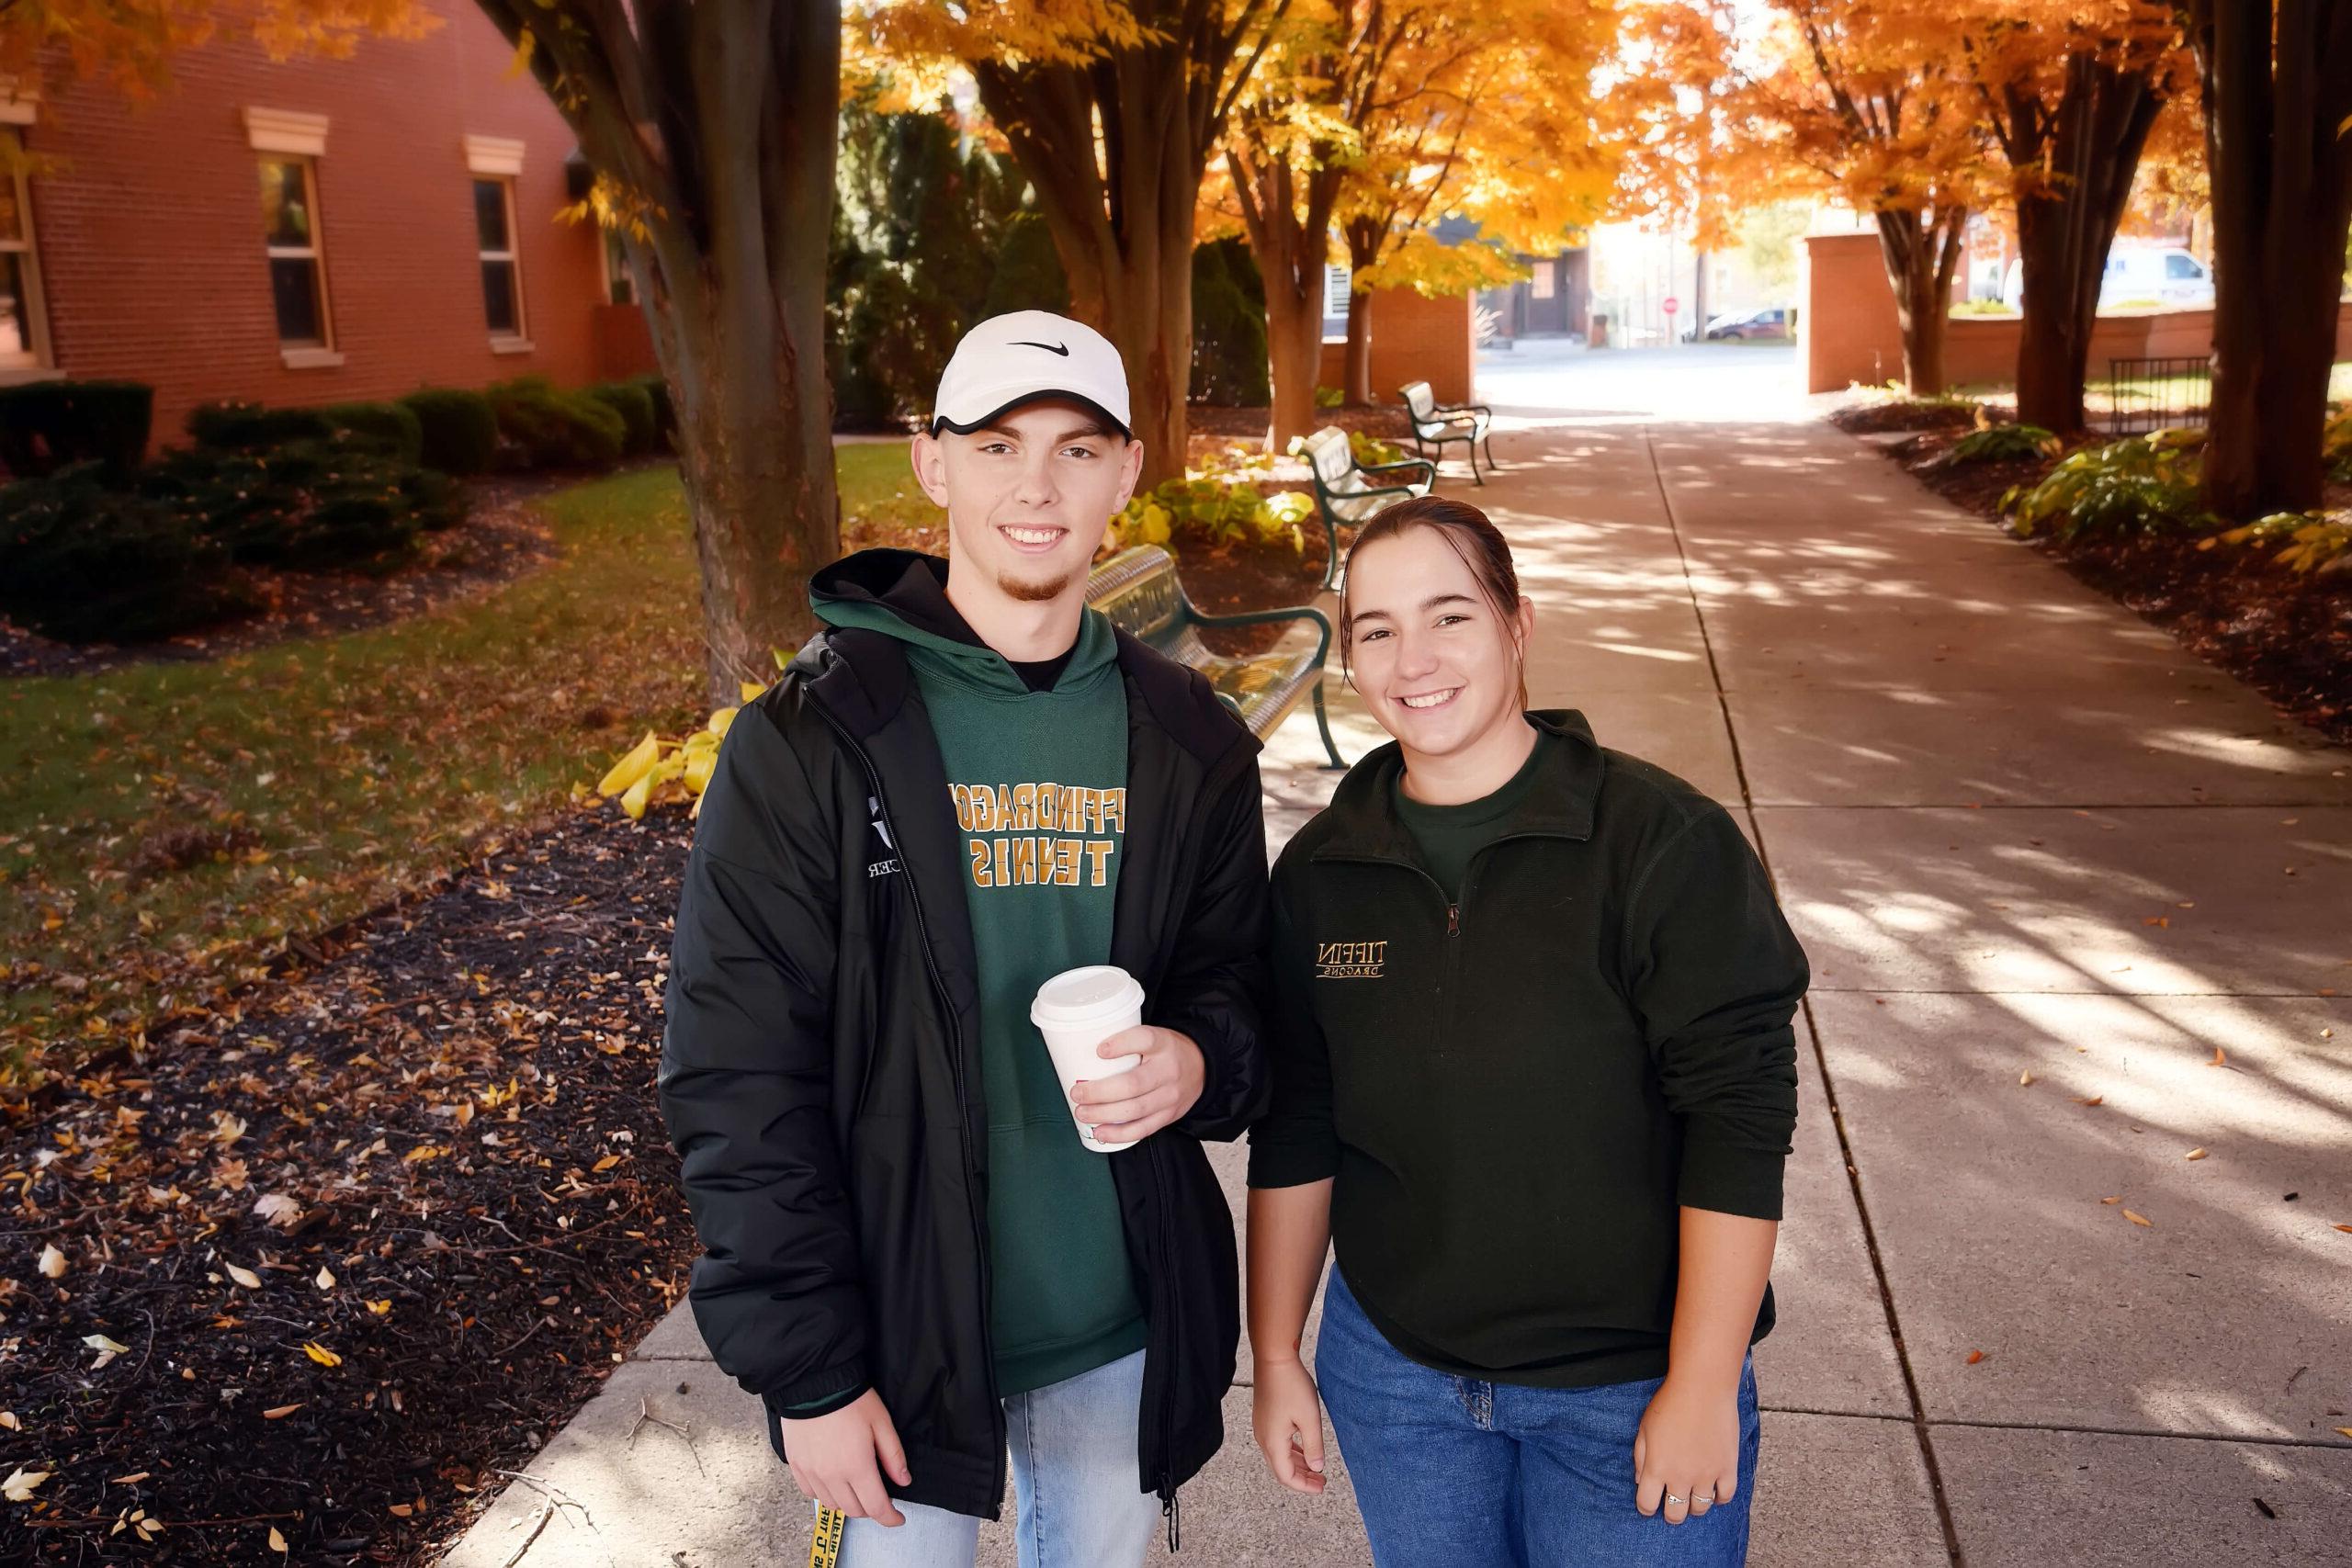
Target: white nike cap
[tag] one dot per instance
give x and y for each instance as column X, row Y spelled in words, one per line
column 1026, row 357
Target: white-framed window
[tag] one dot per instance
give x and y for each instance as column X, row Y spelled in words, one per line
column 502, row 267
column 496, row 162
column 1334, row 289
column 289, row 220
column 288, row 145
column 1546, row 280
column 24, row 334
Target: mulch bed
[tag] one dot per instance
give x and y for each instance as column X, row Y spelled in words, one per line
column 1876, row 417
column 2288, row 635
column 434, row 1152
column 1384, row 420
column 503, row 537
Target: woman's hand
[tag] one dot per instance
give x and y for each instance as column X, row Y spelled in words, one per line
column 838, row 1458
column 1686, row 1453
column 1287, row 1414
column 1128, row 1107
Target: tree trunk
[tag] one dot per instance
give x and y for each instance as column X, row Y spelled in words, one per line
column 755, row 452
column 1919, row 253
column 2281, row 173
column 1364, row 237
column 1291, row 248
column 719, row 125
column 2085, row 157
column 1115, row 150
column 1357, row 386
column 1294, row 351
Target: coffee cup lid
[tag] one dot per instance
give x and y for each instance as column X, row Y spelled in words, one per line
column 1082, row 996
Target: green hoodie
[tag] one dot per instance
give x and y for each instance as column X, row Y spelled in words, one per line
column 1038, row 782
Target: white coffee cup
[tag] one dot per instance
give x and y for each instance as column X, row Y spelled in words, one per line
column 1076, row 1011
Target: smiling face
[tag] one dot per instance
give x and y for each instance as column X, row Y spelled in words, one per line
column 1029, row 495
column 1436, row 662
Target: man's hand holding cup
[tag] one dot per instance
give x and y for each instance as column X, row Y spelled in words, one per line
column 1131, row 1104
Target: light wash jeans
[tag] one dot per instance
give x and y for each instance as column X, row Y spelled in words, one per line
column 1075, row 1483
column 1450, row 1469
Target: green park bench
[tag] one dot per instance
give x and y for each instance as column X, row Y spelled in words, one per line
column 1139, row 590
column 1346, row 493
column 1440, row 425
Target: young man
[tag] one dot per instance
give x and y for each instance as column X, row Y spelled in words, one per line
column 969, row 783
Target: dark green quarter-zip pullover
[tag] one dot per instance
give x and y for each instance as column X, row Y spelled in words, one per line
column 1516, row 1085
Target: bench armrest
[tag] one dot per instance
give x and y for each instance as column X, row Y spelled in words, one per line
column 1427, row 468
column 1265, row 617
column 1465, row 408
column 1406, row 491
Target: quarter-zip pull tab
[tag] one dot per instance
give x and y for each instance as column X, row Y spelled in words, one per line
column 1452, row 919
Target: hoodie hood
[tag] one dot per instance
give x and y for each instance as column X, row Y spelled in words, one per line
column 903, row 595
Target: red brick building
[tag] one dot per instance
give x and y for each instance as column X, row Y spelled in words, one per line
column 312, row 231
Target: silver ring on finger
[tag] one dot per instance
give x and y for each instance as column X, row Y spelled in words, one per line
column 1672, row 1500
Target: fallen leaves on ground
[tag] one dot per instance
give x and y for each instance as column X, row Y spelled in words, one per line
column 297, row 1312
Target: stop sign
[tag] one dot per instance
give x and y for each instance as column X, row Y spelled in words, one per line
column 1672, row 304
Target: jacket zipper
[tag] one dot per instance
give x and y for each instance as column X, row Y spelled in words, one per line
column 1449, row 983
column 1165, row 1182
column 963, row 1094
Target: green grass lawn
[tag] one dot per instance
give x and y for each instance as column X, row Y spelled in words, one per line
column 309, row 782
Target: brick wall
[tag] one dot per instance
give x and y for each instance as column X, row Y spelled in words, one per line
column 1847, row 331
column 151, row 240
column 1414, row 339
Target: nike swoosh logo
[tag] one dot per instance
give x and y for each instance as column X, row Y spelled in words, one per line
column 1048, row 347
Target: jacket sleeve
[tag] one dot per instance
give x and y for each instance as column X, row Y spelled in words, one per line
column 1296, row 1141
column 746, row 1073
column 1214, row 988
column 1715, row 975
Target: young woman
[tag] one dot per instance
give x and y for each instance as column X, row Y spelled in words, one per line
column 1535, row 1079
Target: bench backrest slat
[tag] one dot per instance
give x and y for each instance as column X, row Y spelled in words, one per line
column 1332, row 458
column 1136, row 589
column 1420, row 398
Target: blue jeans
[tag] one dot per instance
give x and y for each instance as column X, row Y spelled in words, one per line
column 1075, row 1483
column 1501, row 1475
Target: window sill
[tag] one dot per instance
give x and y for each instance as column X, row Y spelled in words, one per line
column 310, row 358
column 513, row 346
column 21, row 375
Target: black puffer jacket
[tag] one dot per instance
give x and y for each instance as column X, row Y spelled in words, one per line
column 821, row 1075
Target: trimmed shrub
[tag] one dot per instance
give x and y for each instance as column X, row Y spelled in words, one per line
column 313, row 505
column 388, row 428
column 665, row 413
column 249, row 427
column 46, row 426
column 556, row 429
column 438, row 501
column 231, row 499
column 459, row 429
column 635, row 405
column 1228, row 329
column 1029, row 273
column 81, row 562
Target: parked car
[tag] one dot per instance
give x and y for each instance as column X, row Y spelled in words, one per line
column 2165, row 274
column 1772, row 321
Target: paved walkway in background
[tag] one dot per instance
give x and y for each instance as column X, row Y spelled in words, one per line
column 2076, row 906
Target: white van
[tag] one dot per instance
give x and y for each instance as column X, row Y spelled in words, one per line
column 2165, row 274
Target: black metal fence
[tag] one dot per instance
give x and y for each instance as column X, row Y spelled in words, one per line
column 2156, row 394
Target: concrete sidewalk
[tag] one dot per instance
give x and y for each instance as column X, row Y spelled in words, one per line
column 2045, row 865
